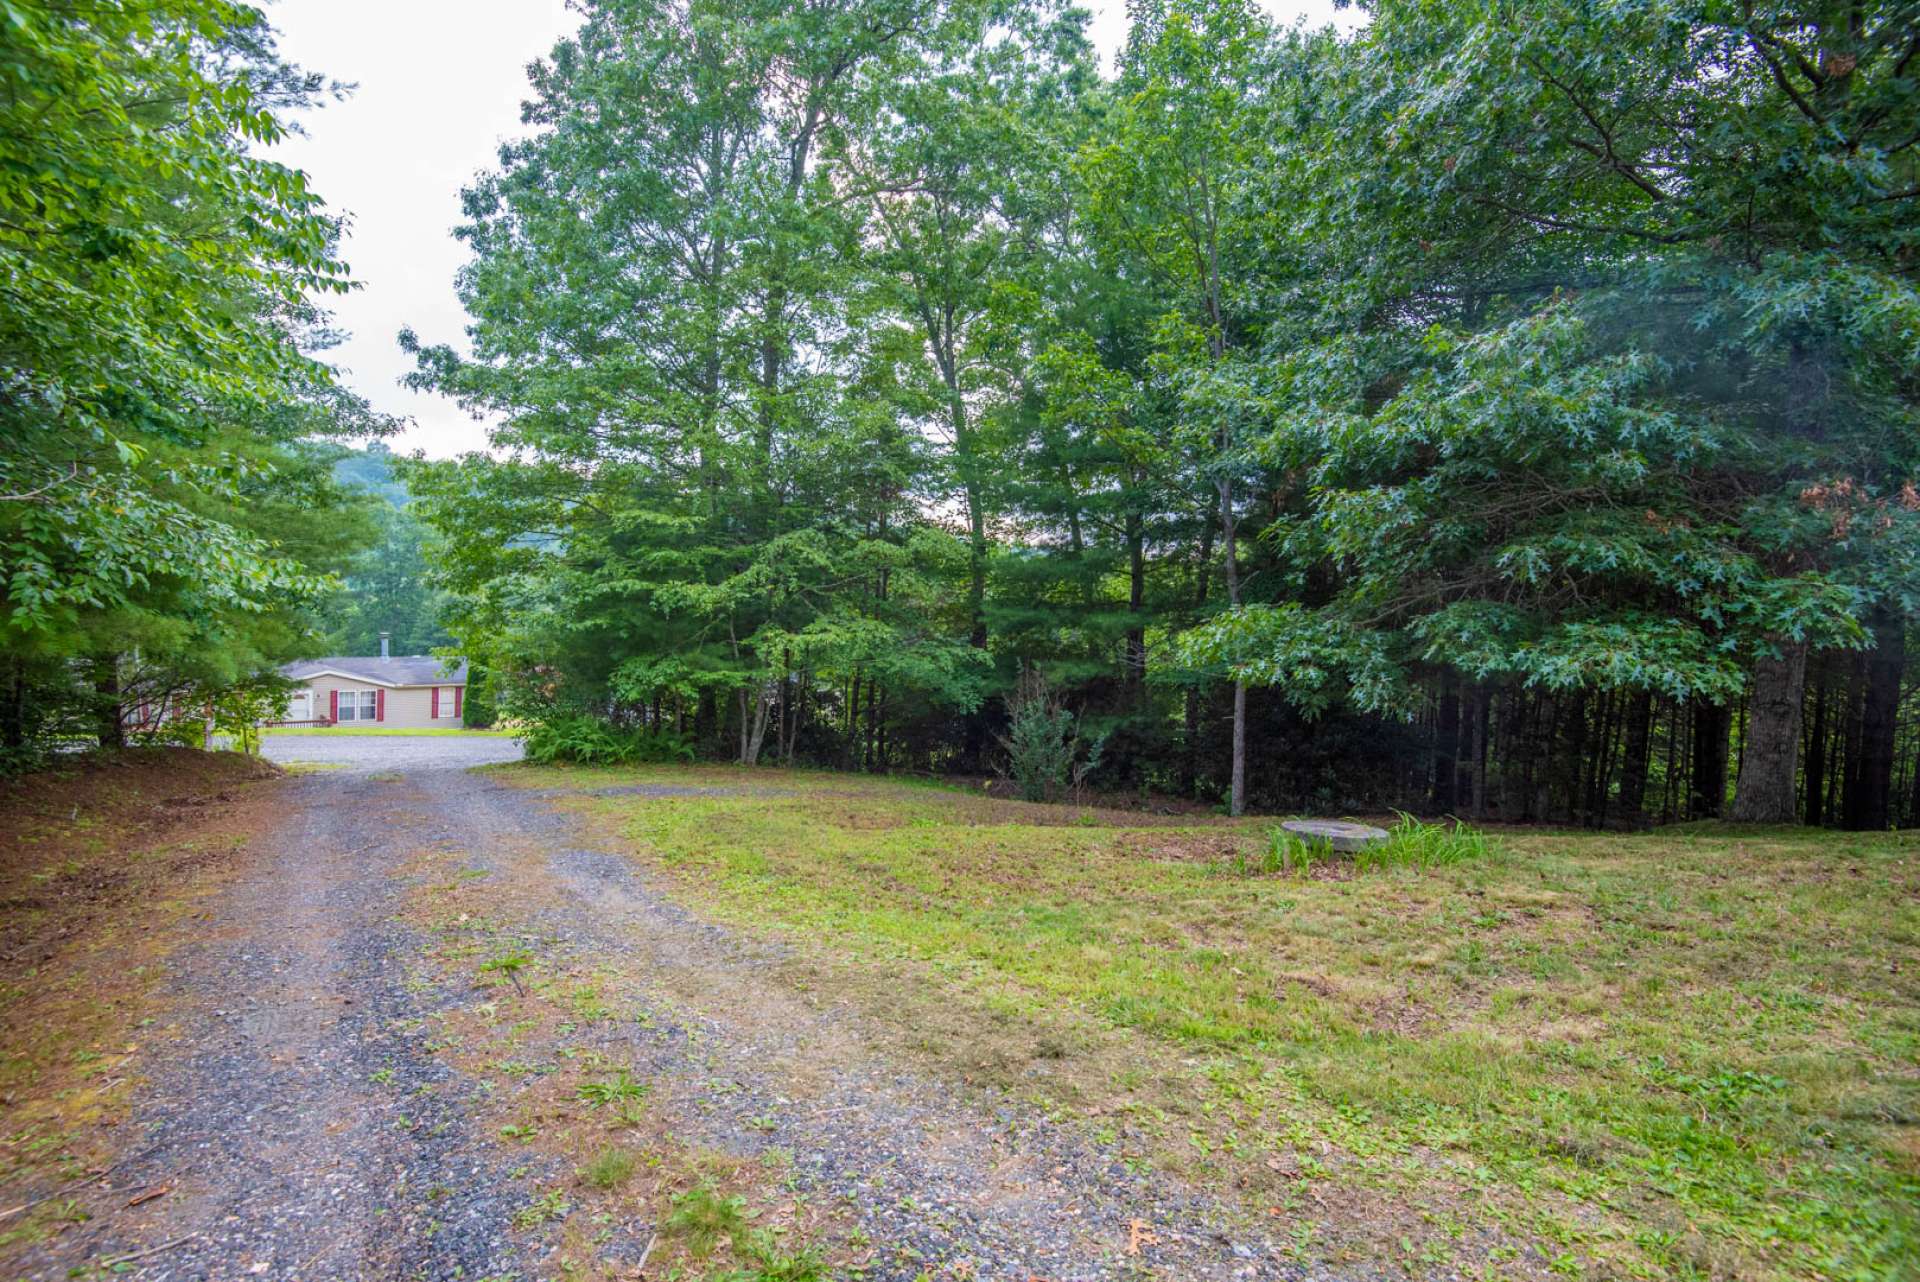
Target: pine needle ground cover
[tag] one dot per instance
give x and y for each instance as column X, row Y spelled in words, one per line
column 1689, row 1053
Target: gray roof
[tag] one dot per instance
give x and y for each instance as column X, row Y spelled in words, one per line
column 400, row 670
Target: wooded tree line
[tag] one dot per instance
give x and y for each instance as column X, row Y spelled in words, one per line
column 170, row 522
column 1508, row 409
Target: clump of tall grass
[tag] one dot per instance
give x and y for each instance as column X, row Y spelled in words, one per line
column 1410, row 843
column 1285, row 852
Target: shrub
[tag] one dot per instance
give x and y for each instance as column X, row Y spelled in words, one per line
column 478, row 712
column 1043, row 743
column 592, row 741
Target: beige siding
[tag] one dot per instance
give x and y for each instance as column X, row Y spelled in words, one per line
column 407, row 707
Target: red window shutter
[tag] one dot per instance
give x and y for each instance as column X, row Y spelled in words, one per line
column 458, row 693
column 379, row 705
column 436, row 703
column 333, row 705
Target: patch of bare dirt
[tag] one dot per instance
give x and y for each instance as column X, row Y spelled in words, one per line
column 1181, row 846
column 103, row 862
column 78, row 840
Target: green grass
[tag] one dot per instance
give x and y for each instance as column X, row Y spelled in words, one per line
column 1690, row 1053
column 1411, row 844
column 610, row 1168
column 614, row 1090
column 704, row 1217
column 336, row 731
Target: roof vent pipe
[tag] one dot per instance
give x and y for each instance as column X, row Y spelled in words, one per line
column 383, row 643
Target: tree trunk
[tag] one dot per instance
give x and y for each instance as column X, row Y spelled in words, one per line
column 1707, row 793
column 1573, row 770
column 1913, row 802
column 1202, row 576
column 1516, row 732
column 1849, row 772
column 756, row 737
column 1770, row 764
column 1445, row 790
column 111, row 727
column 13, row 712
column 1229, row 530
column 1135, row 675
column 706, row 721
column 1633, row 769
column 1477, row 753
column 1870, row 808
column 1237, row 803
column 1817, row 746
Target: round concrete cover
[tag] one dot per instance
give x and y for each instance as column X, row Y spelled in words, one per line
column 1336, row 833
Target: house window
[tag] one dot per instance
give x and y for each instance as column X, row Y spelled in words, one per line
column 359, row 705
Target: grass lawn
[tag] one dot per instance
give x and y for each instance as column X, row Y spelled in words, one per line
column 1690, row 1053
column 295, row 731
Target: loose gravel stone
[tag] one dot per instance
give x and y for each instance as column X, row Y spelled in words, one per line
column 309, row 1131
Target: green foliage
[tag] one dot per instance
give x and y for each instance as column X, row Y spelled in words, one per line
column 508, row 963
column 162, row 493
column 769, row 1262
column 610, row 1168
column 1285, row 853
column 615, row 1090
column 1413, row 843
column 1561, row 369
column 477, row 708
column 1043, row 744
column 705, row 1217
column 590, row 741
column 547, row 1207
column 240, row 709
column 388, row 588
column 1410, row 843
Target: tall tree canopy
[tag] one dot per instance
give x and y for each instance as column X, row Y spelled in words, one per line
column 159, row 393
column 1474, row 413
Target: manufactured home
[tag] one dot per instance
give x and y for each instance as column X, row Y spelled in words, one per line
column 402, row 692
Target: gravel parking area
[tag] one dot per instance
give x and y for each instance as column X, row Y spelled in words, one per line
column 371, row 753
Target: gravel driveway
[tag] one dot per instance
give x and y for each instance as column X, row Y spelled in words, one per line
column 369, row 753
column 311, row 1118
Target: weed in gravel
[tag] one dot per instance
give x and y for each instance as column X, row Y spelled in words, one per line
column 509, row 964
column 610, row 1168
column 588, row 1006
column 617, row 1089
column 550, row 1205
column 771, row 1264
column 703, row 1216
column 521, row 1131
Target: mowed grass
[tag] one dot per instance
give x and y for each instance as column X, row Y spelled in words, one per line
column 1690, row 1053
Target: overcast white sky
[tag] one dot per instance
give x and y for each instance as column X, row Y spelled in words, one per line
column 439, row 85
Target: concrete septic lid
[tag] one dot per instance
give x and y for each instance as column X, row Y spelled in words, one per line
column 1336, row 833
